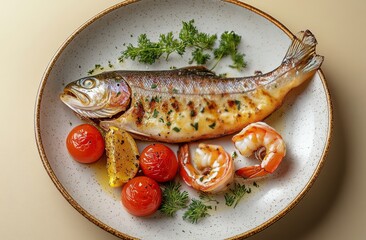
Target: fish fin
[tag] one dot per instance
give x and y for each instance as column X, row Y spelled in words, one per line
column 197, row 70
column 302, row 47
column 119, row 123
column 302, row 52
column 314, row 63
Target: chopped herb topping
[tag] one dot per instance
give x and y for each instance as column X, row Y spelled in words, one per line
column 212, row 125
column 238, row 104
column 234, row 155
column 156, row 113
column 176, row 129
column 154, row 85
column 195, row 125
column 96, row 67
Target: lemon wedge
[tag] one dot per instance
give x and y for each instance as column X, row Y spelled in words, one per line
column 122, row 156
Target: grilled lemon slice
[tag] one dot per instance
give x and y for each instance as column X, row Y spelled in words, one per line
column 122, row 156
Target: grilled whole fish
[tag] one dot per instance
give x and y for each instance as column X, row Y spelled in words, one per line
column 190, row 103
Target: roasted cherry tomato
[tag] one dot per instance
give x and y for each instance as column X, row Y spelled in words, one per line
column 159, row 162
column 141, row 196
column 85, row 143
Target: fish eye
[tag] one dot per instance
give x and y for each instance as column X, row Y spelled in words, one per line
column 88, row 83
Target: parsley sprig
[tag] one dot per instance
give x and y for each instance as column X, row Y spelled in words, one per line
column 148, row 51
column 229, row 43
column 201, row 46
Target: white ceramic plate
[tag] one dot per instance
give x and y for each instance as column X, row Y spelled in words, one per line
column 304, row 120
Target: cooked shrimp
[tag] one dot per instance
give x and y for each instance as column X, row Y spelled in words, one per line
column 267, row 145
column 212, row 169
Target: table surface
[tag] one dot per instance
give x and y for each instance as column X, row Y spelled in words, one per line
column 32, row 208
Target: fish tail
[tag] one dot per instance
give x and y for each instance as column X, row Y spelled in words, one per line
column 302, row 52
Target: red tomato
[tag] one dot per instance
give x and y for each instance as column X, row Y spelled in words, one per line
column 85, row 143
column 141, row 196
column 159, row 162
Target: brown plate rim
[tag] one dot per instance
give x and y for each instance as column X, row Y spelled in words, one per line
column 117, row 233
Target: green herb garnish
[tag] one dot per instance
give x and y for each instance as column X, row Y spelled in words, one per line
column 208, row 197
column 148, row 52
column 156, row 113
column 196, row 211
column 177, row 129
column 195, row 125
column 96, row 67
column 173, row 199
column 201, row 46
column 228, row 46
column 238, row 104
column 236, row 194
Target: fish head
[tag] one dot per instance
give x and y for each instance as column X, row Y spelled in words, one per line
column 100, row 96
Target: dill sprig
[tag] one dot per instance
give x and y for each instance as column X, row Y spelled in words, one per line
column 173, row 199
column 207, row 197
column 236, row 194
column 196, row 211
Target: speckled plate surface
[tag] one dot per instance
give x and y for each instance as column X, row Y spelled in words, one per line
column 304, row 120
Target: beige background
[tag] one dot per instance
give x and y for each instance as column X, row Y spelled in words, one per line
column 32, row 208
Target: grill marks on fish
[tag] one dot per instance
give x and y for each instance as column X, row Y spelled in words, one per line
column 182, row 117
column 193, row 103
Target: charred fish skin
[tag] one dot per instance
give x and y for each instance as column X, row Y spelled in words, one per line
column 190, row 104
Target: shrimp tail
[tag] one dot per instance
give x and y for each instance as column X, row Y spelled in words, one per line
column 184, row 157
column 302, row 52
column 251, row 172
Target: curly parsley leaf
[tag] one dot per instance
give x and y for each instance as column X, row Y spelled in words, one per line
column 228, row 46
column 145, row 52
column 199, row 57
column 201, row 45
